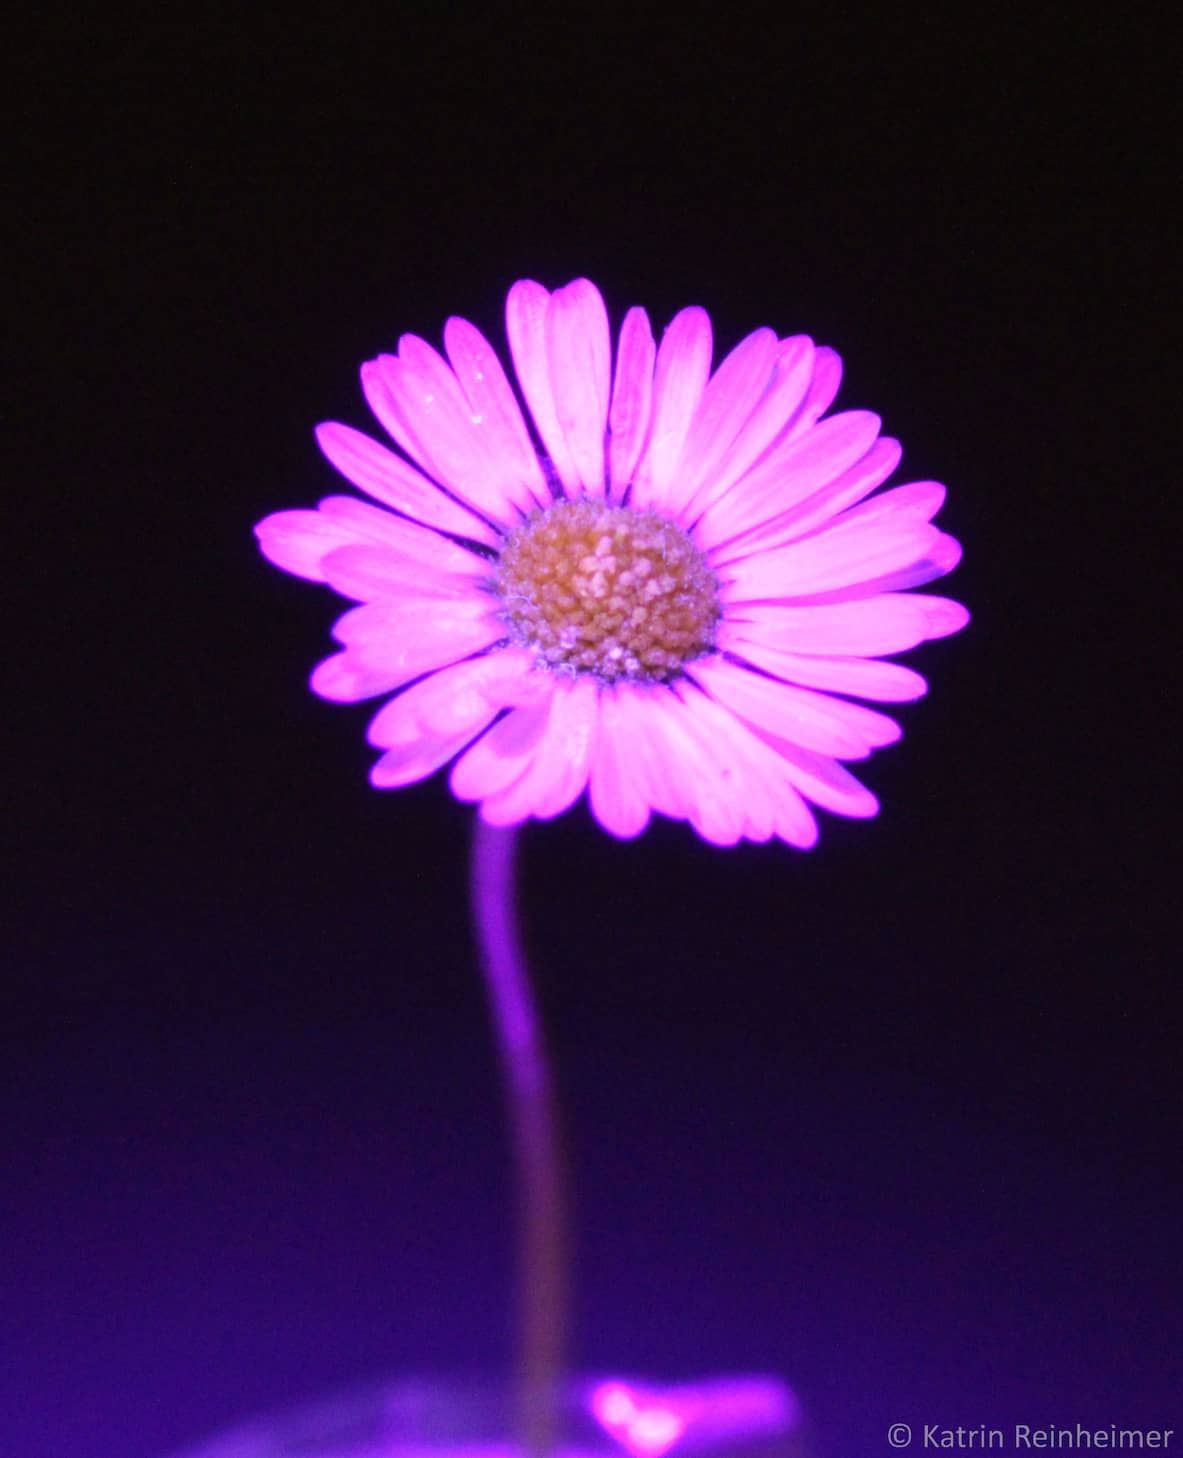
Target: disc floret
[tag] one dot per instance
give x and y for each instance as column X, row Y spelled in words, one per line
column 608, row 591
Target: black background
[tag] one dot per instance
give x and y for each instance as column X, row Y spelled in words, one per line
column 897, row 1119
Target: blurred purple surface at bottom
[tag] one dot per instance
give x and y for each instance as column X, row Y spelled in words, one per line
column 729, row 1417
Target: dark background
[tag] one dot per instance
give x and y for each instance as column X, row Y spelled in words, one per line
column 897, row 1119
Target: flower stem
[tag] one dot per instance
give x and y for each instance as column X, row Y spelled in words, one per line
column 542, row 1238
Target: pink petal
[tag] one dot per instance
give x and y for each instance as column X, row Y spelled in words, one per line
column 701, row 783
column 839, row 557
column 777, row 794
column 752, row 778
column 389, row 479
column 570, row 743
column 690, row 759
column 729, row 746
column 799, row 520
column 507, row 679
column 375, row 384
column 917, row 501
column 346, row 678
column 460, row 699
column 443, row 435
column 683, row 364
column 526, row 311
column 823, row 388
column 502, row 755
column 407, row 763
column 373, row 525
column 389, row 643
column 815, row 721
column 867, row 627
column 614, row 788
column 632, row 398
column 733, row 751
column 865, row 678
column 824, row 781
column 765, row 425
column 644, row 751
column 788, row 475
column 557, row 773
column 376, row 524
column 731, row 396
column 370, row 573
column 773, row 779
column 380, row 627
column 298, row 541
column 795, row 824
column 362, row 525
column 512, row 458
column 580, row 354
column 940, row 558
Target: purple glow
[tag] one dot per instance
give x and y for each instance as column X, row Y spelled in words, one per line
column 646, row 1426
column 603, row 1418
column 649, row 1421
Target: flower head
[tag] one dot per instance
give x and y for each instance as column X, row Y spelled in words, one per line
column 668, row 596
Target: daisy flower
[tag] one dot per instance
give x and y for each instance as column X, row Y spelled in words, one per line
column 668, row 595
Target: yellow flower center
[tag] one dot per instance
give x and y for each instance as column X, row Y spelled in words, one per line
column 608, row 591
